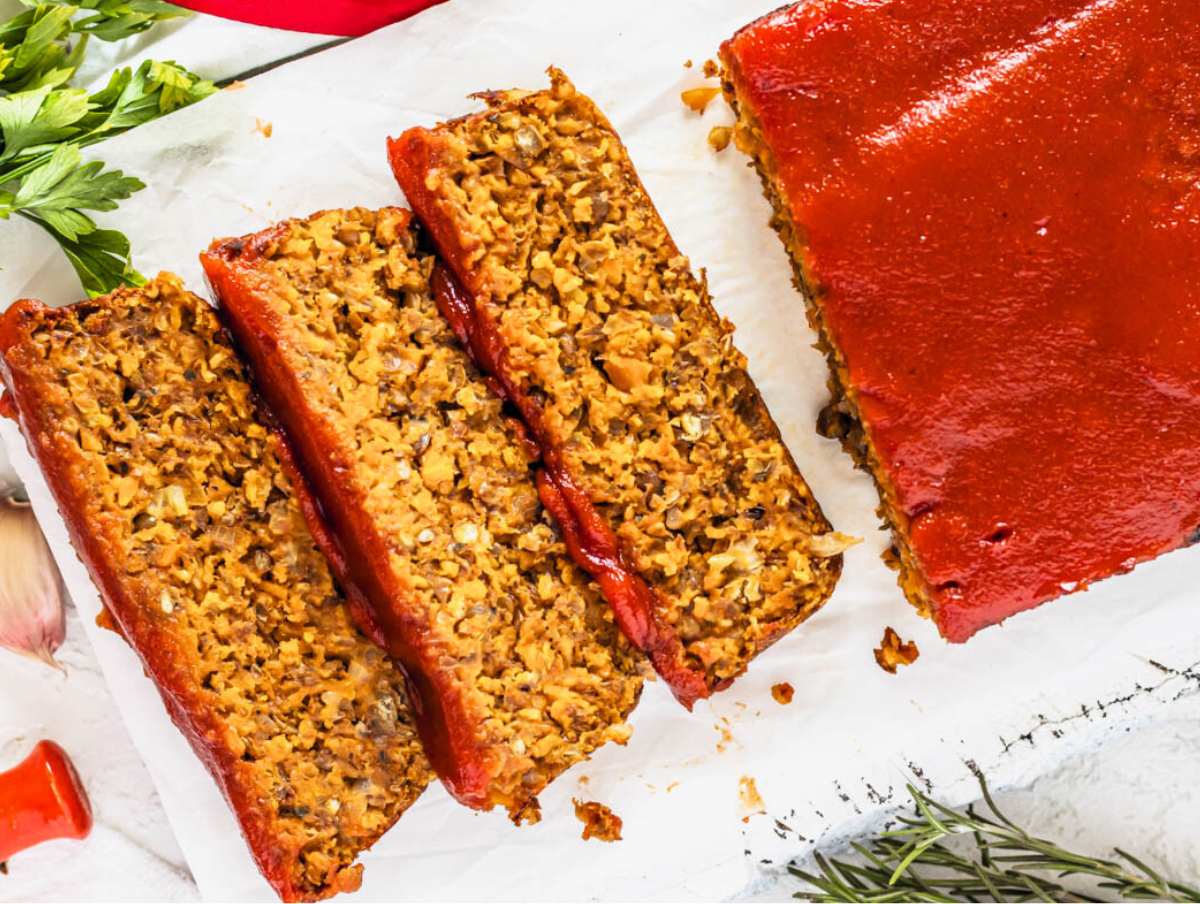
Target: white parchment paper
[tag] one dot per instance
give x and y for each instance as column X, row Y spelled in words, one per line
column 1011, row 701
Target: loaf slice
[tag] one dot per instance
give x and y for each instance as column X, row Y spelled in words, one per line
column 177, row 499
column 663, row 464
column 433, row 517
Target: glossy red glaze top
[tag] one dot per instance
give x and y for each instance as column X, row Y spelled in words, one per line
column 1001, row 205
column 41, row 798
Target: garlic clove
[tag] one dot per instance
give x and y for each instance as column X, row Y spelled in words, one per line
column 32, row 621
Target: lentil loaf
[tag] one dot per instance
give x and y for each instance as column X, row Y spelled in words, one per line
column 663, row 463
column 178, row 500
column 428, row 493
column 959, row 187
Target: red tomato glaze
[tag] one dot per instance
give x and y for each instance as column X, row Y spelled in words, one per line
column 1000, row 201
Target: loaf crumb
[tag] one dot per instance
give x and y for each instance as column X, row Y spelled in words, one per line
column 719, row 138
column 599, row 821
column 893, row 652
column 751, row 801
column 698, row 99
column 783, row 693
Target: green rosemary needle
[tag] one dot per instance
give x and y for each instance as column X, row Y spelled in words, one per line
column 915, row 863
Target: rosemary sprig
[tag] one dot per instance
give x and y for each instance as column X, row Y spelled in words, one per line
column 45, row 122
column 915, row 863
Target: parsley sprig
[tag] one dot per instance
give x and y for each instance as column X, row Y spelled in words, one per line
column 46, row 121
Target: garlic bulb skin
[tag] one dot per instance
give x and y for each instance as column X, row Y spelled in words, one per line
column 10, row 483
column 32, row 621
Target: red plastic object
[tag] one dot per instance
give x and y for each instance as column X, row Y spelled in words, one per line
column 327, row 17
column 41, row 799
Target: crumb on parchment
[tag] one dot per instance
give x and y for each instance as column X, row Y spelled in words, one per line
column 727, row 737
column 751, row 801
column 263, row 127
column 719, row 137
column 528, row 814
column 687, row 64
column 711, row 69
column 599, row 821
column 893, row 652
column 782, row 692
column 699, row 98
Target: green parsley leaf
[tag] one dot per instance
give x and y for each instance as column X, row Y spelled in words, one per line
column 61, row 187
column 114, row 20
column 29, row 119
column 45, row 122
column 101, row 260
column 132, row 98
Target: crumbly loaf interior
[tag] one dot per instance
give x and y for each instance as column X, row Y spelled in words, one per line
column 605, row 324
column 529, row 640
column 840, row 418
column 214, row 549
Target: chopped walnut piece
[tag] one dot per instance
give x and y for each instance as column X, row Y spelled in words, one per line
column 699, row 98
column 719, row 138
column 627, row 374
column 599, row 821
column 893, row 652
column 783, row 692
column 834, row 543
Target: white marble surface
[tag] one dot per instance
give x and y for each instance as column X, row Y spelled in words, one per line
column 1137, row 790
column 131, row 854
column 1133, row 785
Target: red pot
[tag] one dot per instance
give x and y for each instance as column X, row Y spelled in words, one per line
column 328, row 17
